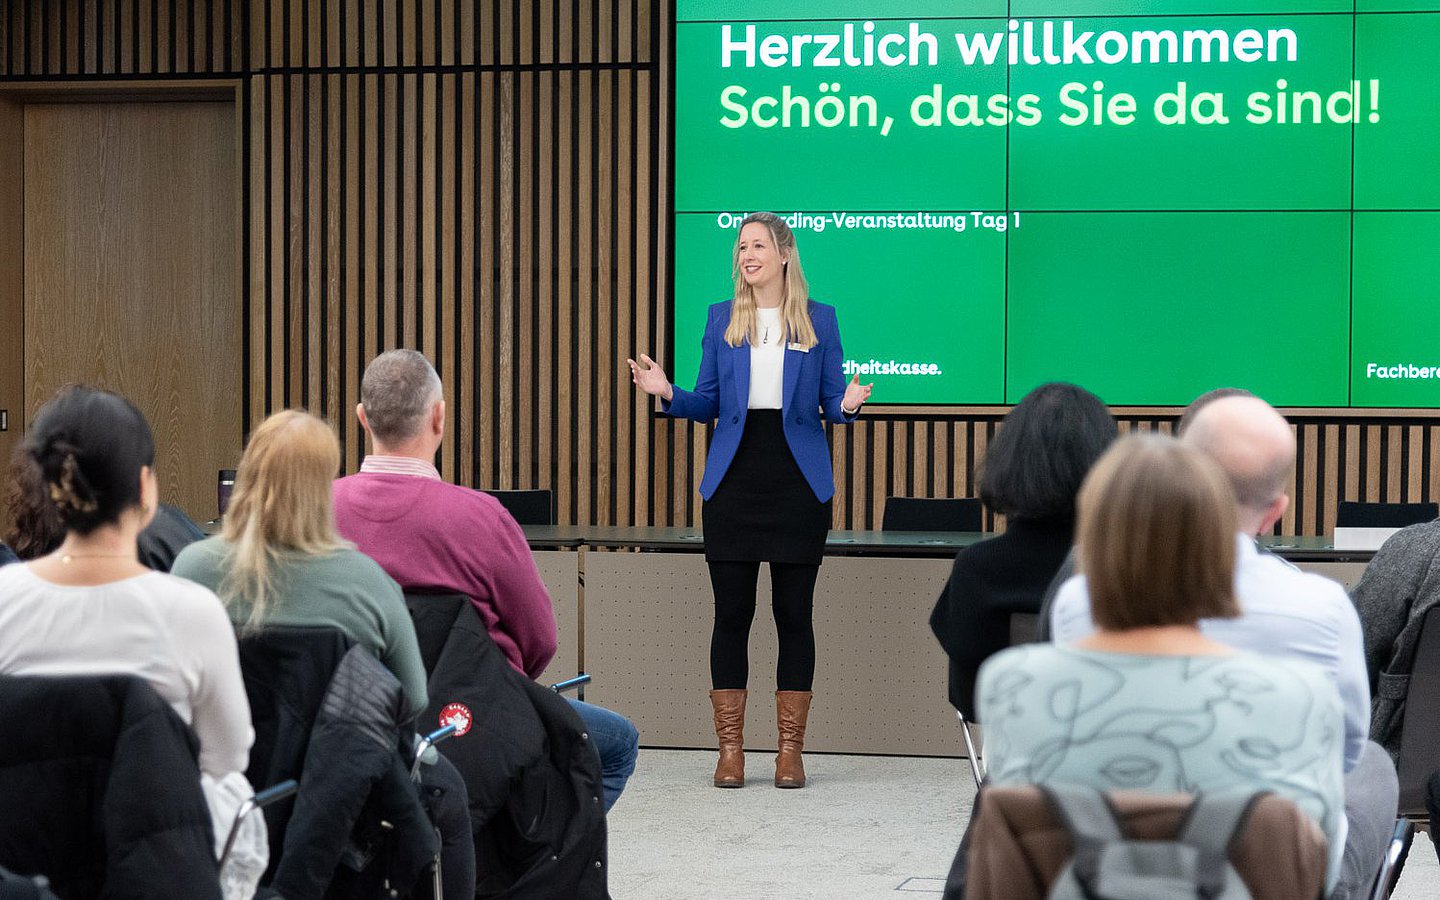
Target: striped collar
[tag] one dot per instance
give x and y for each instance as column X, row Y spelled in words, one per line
column 375, row 464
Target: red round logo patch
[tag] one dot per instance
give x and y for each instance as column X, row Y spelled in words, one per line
column 456, row 714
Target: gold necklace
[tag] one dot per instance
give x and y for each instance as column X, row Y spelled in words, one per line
column 67, row 557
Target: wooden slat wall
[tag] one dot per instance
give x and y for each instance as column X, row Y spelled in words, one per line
column 488, row 181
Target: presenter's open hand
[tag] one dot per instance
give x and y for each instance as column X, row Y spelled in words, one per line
column 650, row 378
column 856, row 394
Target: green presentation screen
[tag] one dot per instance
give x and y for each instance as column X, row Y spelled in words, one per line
column 1151, row 198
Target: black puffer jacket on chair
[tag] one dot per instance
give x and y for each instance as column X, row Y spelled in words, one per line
column 100, row 791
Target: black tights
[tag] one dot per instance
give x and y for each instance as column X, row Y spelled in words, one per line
column 793, row 602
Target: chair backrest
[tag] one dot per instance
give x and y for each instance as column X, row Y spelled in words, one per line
column 933, row 514
column 1420, row 731
column 327, row 713
column 528, row 507
column 434, row 616
column 101, row 790
column 1018, row 844
column 530, row 772
column 167, row 534
column 287, row 670
column 1384, row 515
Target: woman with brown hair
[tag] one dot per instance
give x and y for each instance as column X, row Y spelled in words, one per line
column 1148, row 702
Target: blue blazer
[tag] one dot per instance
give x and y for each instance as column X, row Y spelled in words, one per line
column 814, row 385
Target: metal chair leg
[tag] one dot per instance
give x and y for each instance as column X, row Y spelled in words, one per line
column 421, row 747
column 1387, row 876
column 975, row 770
column 260, row 800
column 437, row 880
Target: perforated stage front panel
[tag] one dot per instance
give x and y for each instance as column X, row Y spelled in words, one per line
column 1347, row 573
column 560, row 570
column 880, row 680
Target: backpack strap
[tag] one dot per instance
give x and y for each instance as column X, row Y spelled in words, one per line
column 1210, row 825
column 1213, row 820
column 1091, row 821
column 1085, row 813
column 1092, row 824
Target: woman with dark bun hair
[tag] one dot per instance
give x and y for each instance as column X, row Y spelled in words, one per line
column 90, row 607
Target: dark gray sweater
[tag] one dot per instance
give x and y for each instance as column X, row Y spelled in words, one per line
column 1399, row 586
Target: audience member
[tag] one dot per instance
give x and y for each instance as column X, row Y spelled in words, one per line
column 1149, row 701
column 1182, row 425
column 35, row 524
column 1067, row 568
column 431, row 535
column 1283, row 612
column 36, row 528
column 1031, row 474
column 279, row 561
column 1400, row 585
column 88, row 607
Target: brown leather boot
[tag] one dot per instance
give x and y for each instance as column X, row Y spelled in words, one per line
column 730, row 733
column 792, row 708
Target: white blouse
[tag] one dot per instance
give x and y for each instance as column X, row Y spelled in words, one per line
column 168, row 631
column 767, row 362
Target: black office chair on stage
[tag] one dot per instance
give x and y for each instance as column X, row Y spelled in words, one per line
column 1384, row 515
column 933, row 514
column 528, row 507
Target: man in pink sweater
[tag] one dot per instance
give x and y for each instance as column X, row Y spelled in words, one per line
column 430, row 535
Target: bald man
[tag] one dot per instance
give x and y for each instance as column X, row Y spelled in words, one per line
column 1284, row 612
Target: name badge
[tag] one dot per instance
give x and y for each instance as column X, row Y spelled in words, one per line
column 794, row 346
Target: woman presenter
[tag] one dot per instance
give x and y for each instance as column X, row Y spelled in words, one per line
column 770, row 370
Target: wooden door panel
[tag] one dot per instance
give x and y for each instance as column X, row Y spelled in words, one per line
column 131, row 273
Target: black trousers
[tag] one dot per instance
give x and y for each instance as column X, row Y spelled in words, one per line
column 793, row 603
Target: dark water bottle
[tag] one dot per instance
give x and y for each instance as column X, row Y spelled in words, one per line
column 223, row 489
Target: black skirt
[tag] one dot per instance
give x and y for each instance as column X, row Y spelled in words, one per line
column 764, row 509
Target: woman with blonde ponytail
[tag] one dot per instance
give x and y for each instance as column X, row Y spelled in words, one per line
column 280, row 561
column 770, row 372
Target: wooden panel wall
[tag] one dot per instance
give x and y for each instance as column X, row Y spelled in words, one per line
column 487, row 180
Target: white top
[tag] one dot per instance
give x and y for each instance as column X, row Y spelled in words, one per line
column 767, row 362
column 1284, row 612
column 171, row 632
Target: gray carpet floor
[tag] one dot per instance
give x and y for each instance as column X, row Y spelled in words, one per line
column 866, row 828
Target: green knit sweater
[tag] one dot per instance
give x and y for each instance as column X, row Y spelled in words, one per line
column 344, row 590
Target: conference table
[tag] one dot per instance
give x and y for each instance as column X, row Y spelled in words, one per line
column 634, row 608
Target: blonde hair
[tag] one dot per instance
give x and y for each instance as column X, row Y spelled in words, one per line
column 282, row 505
column 794, row 305
column 1156, row 536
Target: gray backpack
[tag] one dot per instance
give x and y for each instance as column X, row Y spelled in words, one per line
column 1106, row 865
